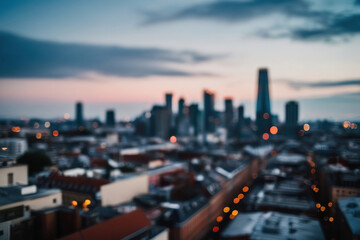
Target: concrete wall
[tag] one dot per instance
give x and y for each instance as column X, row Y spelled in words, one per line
column 38, row 203
column 124, row 190
column 162, row 236
column 20, row 175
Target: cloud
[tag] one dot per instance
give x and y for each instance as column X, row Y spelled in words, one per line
column 323, row 84
column 323, row 24
column 28, row 58
column 230, row 11
column 340, row 26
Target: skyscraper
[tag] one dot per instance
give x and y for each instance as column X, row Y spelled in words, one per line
column 209, row 111
column 110, row 118
column 229, row 116
column 263, row 111
column 181, row 106
column 240, row 120
column 168, row 99
column 160, row 123
column 291, row 118
column 194, row 118
column 79, row 114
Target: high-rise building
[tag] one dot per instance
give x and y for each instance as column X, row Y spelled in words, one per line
column 168, row 99
column 160, row 123
column 263, row 111
column 209, row 111
column 291, row 113
column 194, row 118
column 291, row 118
column 229, row 116
column 79, row 114
column 181, row 106
column 110, row 118
column 240, row 120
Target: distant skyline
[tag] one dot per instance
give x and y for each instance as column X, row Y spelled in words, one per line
column 126, row 54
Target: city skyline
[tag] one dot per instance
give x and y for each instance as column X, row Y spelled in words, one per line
column 132, row 47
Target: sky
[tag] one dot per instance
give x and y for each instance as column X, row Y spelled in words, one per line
column 126, row 54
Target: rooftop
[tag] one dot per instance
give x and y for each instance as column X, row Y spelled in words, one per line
column 21, row 193
column 350, row 207
column 273, row 225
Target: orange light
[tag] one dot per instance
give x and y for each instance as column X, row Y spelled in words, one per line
column 313, row 187
column 38, row 136
column 313, row 171
column 306, row 127
column 331, row 219
column 346, row 124
column 330, row 204
column 273, row 153
column 215, row 229
column 74, row 203
column 219, row 218
column 226, row 209
column 316, row 190
column 274, row 130
column 322, row 209
column 265, row 136
column 232, row 216
column 173, row 139
column 318, row 205
column 235, row 212
column 236, row 200
column 245, row 189
column 86, row 203
column 55, row 133
column 266, row 116
column 16, row 129
column 241, row 196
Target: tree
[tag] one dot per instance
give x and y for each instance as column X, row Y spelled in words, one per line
column 36, row 161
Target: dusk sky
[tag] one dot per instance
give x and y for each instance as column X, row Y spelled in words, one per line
column 126, row 54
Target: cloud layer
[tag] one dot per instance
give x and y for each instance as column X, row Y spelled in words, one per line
column 320, row 24
column 27, row 58
column 323, row 84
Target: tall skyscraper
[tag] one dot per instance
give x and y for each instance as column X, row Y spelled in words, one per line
column 291, row 113
column 181, row 106
column 240, row 120
column 209, row 111
column 79, row 114
column 168, row 99
column 229, row 116
column 160, row 123
column 291, row 118
column 194, row 118
column 263, row 111
column 110, row 118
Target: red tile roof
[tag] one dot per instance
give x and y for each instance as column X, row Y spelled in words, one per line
column 114, row 229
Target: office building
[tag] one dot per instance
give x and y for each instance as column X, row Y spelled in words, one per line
column 229, row 117
column 240, row 120
column 263, row 110
column 168, row 100
column 209, row 111
column 291, row 118
column 79, row 114
column 160, row 121
column 194, row 119
column 110, row 118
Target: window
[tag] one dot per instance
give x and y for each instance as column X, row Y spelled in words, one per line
column 54, row 200
column 10, row 178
